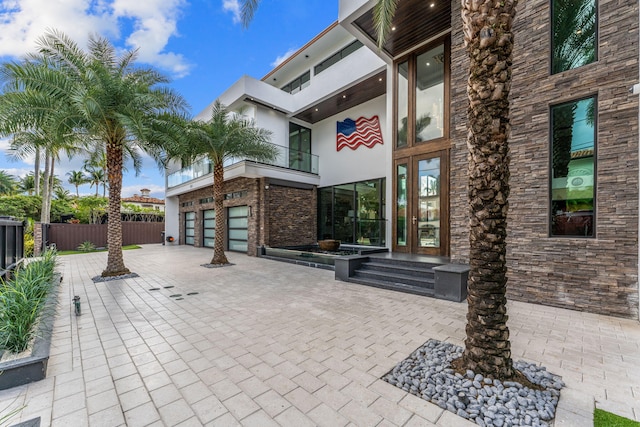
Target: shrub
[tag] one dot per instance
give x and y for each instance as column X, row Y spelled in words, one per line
column 22, row 301
column 86, row 246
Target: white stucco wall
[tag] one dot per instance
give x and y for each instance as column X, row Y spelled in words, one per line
column 172, row 219
column 347, row 165
column 274, row 121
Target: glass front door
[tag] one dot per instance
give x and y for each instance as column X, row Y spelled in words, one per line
column 421, row 212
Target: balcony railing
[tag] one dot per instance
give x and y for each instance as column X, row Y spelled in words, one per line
column 286, row 158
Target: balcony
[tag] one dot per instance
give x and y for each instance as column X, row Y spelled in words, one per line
column 288, row 159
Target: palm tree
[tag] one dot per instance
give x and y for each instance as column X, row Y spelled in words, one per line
column 96, row 177
column 107, row 100
column 8, row 184
column 77, row 178
column 225, row 136
column 27, row 184
column 487, row 346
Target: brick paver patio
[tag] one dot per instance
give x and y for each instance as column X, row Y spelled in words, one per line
column 264, row 343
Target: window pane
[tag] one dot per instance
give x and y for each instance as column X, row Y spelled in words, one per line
column 210, row 214
column 574, row 34
column 344, row 213
column 238, row 211
column 238, row 222
column 210, row 223
column 403, row 104
column 401, row 207
column 429, row 203
column 430, row 95
column 189, row 240
column 190, row 215
column 238, row 246
column 209, row 242
column 325, row 214
column 209, row 232
column 573, row 168
column 239, row 234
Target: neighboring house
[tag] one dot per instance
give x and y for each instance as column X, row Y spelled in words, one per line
column 373, row 149
column 143, row 200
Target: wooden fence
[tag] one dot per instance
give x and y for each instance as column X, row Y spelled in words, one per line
column 69, row 236
column 11, row 244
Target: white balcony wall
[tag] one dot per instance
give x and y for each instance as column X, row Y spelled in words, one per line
column 356, row 67
column 248, row 87
column 347, row 165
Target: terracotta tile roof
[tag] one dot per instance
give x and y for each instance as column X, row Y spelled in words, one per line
column 582, row 153
column 140, row 199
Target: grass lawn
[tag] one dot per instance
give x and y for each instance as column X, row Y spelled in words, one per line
column 607, row 419
column 124, row 248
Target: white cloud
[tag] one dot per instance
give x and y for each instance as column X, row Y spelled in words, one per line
column 280, row 59
column 233, row 6
column 17, row 172
column 22, row 22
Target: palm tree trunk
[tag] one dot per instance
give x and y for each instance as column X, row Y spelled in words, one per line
column 115, row 261
column 36, row 172
column 44, row 217
column 489, row 42
column 218, row 199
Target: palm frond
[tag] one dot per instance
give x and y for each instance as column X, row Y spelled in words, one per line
column 383, row 13
column 247, row 11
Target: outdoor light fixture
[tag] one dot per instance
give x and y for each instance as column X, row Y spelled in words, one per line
column 266, row 187
column 170, row 239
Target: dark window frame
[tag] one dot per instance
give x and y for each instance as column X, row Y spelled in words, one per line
column 336, row 57
column 550, row 216
column 552, row 38
column 298, row 83
column 305, row 162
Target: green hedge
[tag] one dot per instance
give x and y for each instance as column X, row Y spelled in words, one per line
column 22, row 301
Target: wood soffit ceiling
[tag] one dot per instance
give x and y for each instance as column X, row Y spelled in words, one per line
column 415, row 21
column 362, row 92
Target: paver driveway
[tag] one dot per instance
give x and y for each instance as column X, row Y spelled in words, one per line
column 266, row 343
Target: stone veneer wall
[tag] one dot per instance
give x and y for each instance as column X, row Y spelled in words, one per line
column 592, row 274
column 279, row 216
column 292, row 216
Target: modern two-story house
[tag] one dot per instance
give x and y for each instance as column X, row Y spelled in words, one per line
column 373, row 148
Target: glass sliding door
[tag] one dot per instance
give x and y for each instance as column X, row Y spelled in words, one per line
column 353, row 213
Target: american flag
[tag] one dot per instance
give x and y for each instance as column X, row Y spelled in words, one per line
column 362, row 131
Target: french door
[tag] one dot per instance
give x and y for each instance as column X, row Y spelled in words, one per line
column 421, row 214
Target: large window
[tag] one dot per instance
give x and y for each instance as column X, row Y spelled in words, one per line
column 297, row 84
column 353, row 213
column 574, row 38
column 573, row 168
column 299, row 148
column 420, row 97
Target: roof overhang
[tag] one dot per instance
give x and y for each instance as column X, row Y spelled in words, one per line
column 415, row 22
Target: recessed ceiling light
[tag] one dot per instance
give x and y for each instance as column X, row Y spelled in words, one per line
column 316, row 109
column 380, row 79
column 428, row 63
column 432, row 4
column 393, row 28
column 274, row 79
column 344, row 96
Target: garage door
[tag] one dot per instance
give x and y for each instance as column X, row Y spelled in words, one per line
column 238, row 235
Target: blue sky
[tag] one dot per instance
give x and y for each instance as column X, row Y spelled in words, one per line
column 200, row 44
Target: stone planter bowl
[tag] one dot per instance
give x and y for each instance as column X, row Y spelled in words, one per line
column 329, row 245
